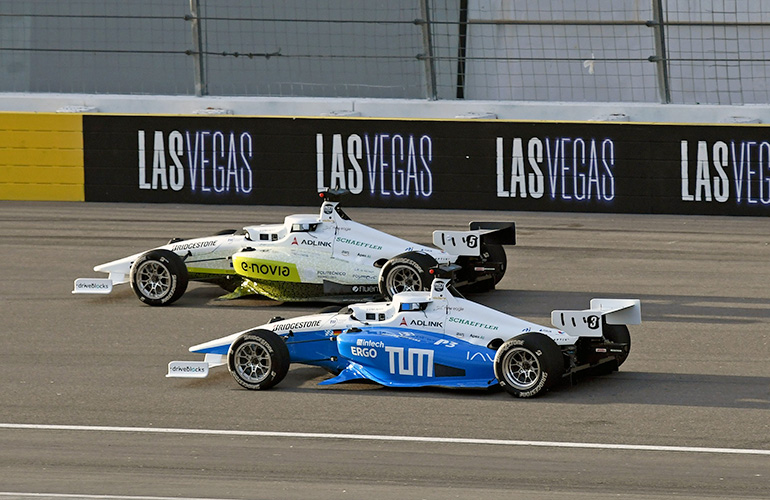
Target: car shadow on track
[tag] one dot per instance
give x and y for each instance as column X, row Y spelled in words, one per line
column 668, row 389
column 623, row 387
column 537, row 305
column 533, row 305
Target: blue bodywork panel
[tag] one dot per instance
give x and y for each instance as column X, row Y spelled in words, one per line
column 317, row 348
column 395, row 357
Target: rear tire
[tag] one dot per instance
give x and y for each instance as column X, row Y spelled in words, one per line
column 528, row 365
column 496, row 253
column 258, row 359
column 159, row 277
column 618, row 334
column 408, row 272
column 490, row 253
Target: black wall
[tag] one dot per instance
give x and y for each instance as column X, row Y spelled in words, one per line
column 503, row 165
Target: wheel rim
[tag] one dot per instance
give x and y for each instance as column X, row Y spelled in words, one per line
column 403, row 278
column 153, row 279
column 521, row 368
column 252, row 362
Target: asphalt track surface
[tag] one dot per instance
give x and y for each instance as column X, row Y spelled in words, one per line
column 86, row 410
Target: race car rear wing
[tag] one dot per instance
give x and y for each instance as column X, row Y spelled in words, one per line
column 588, row 323
column 468, row 243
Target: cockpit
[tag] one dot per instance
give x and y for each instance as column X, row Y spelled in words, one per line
column 413, row 306
column 265, row 232
column 379, row 311
column 304, row 227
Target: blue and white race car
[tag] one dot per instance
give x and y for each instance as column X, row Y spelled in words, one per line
column 428, row 338
column 309, row 257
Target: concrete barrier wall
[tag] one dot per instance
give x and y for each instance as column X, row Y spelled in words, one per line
column 41, row 157
column 486, row 164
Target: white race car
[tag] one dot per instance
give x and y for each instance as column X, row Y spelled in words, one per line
column 309, row 257
column 429, row 338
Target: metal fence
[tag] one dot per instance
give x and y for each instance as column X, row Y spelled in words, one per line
column 669, row 51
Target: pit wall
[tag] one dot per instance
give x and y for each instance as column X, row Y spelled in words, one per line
column 588, row 166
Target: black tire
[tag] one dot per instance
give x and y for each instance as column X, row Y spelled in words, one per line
column 496, row 253
column 490, row 253
column 528, row 365
column 408, row 272
column 159, row 277
column 618, row 334
column 258, row 359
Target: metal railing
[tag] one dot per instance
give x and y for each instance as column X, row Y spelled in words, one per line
column 423, row 49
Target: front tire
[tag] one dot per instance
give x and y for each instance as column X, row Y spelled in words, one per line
column 159, row 277
column 258, row 360
column 528, row 365
column 409, row 272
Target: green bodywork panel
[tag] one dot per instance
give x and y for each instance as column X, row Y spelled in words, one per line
column 278, row 290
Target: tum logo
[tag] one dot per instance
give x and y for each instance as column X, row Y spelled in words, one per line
column 414, row 360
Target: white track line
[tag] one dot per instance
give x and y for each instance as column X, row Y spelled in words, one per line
column 371, row 437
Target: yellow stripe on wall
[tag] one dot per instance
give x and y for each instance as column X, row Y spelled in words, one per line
column 41, row 157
